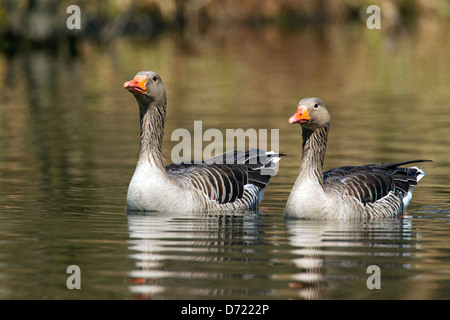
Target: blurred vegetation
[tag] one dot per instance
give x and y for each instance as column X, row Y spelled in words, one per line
column 42, row 23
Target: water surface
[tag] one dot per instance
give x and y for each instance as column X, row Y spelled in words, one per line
column 69, row 144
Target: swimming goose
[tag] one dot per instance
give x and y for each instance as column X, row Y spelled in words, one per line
column 350, row 192
column 233, row 181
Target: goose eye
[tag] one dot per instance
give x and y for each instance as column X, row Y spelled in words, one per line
column 154, row 78
column 316, row 106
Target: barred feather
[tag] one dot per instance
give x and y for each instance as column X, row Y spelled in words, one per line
column 224, row 178
column 372, row 182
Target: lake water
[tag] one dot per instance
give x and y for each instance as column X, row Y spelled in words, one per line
column 69, row 145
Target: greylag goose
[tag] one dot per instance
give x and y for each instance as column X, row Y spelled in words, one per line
column 233, row 181
column 350, row 192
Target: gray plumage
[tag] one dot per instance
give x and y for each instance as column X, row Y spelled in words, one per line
column 233, row 181
column 224, row 178
column 349, row 192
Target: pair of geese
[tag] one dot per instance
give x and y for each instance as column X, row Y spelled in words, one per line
column 349, row 192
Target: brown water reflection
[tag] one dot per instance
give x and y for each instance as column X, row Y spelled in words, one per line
column 248, row 257
column 69, row 143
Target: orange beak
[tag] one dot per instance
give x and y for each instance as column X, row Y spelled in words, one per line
column 137, row 85
column 301, row 116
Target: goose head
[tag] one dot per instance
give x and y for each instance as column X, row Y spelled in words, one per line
column 311, row 114
column 147, row 87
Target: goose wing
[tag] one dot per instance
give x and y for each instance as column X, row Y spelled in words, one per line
column 222, row 183
column 224, row 177
column 371, row 182
column 367, row 186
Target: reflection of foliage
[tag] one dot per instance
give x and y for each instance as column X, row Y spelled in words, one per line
column 44, row 20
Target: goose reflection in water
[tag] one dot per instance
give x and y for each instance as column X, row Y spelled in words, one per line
column 262, row 256
column 179, row 256
column 333, row 254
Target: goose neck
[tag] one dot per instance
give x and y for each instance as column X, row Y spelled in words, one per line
column 152, row 118
column 313, row 153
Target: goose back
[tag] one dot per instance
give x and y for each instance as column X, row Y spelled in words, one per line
column 371, row 182
column 229, row 177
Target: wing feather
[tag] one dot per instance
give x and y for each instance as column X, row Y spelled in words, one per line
column 224, row 177
column 372, row 182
